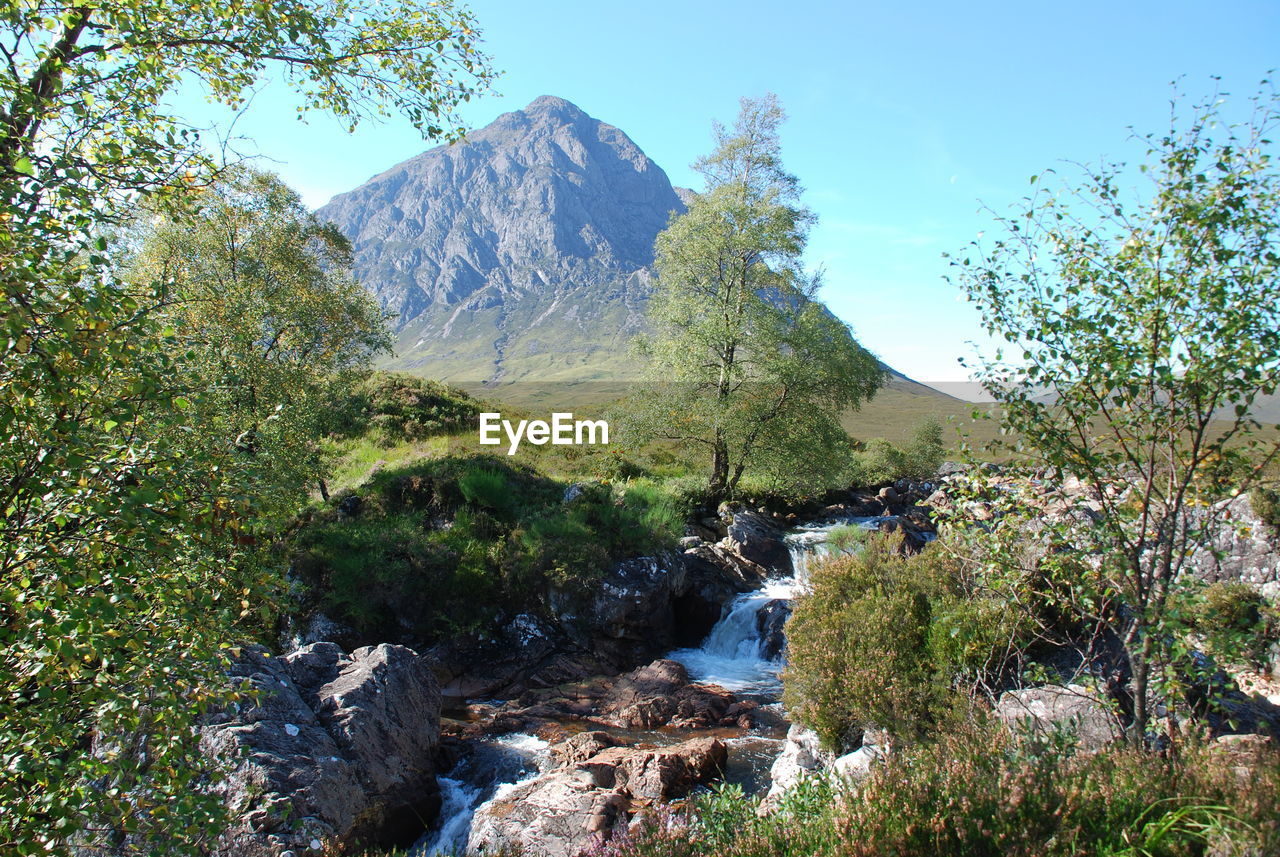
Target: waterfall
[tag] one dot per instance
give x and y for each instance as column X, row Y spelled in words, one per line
column 494, row 767
column 730, row 656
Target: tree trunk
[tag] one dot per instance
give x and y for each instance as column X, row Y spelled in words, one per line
column 1140, row 664
column 719, row 487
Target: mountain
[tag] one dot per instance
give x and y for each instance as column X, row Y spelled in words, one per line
column 522, row 253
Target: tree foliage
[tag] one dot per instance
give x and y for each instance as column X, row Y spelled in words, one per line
column 130, row 518
column 273, row 328
column 745, row 362
column 1142, row 333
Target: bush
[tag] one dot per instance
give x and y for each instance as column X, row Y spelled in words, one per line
column 924, row 452
column 877, row 463
column 399, row 407
column 1266, row 505
column 881, row 639
column 847, row 538
column 450, row 545
column 1235, row 621
column 978, row 792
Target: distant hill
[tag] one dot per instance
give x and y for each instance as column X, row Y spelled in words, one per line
column 521, row 257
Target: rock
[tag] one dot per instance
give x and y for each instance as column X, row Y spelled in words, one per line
column 801, row 755
column 888, row 495
column 655, row 696
column 320, row 628
column 771, row 622
column 755, row 537
column 665, row 772
column 550, row 816
column 1045, row 708
column 660, row 695
column 581, row 747
column 575, row 492
column 591, row 794
column 632, row 616
column 856, row 766
column 382, row 707
column 350, row 506
column 338, row 750
column 1243, row 548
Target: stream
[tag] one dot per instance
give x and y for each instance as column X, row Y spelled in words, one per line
column 733, row 656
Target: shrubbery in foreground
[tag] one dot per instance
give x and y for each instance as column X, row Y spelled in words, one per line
column 884, row 639
column 979, row 791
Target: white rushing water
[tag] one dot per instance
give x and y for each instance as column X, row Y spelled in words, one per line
column 499, row 765
column 731, row 655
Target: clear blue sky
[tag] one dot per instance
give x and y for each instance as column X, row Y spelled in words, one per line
column 904, row 118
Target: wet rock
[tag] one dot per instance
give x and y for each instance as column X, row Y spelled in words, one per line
column 663, row 773
column 771, row 621
column 633, row 600
column 337, row 750
column 592, row 793
column 757, row 538
column 660, row 694
column 651, row 697
column 1043, row 709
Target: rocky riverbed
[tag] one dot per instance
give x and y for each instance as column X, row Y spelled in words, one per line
column 566, row 728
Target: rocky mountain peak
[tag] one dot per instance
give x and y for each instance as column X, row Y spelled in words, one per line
column 523, row 250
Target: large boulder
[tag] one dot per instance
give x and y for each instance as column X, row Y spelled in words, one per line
column 756, row 537
column 594, row 792
column 1044, row 709
column 802, row 755
column 633, row 602
column 337, row 749
column 1242, row 548
column 661, row 694
column 656, row 696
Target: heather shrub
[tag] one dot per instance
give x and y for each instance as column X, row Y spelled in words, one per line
column 882, row 639
column 979, row 791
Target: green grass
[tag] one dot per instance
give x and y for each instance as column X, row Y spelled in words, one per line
column 451, row 544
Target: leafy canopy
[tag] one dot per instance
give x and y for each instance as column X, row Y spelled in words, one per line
column 745, row 362
column 133, row 505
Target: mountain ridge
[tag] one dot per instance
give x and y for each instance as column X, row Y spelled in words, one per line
column 523, row 253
